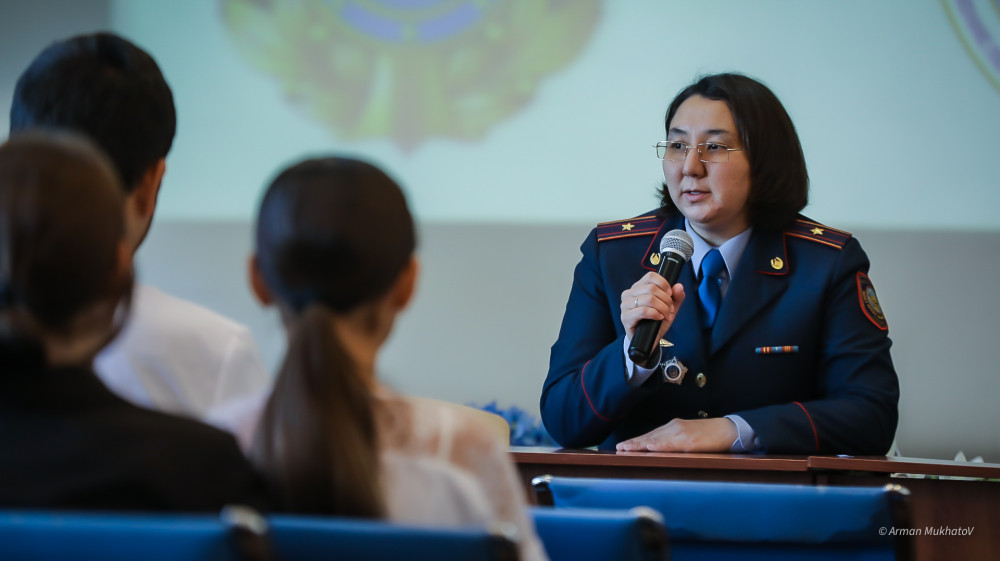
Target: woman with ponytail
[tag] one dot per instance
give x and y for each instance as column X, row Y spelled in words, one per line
column 335, row 248
column 65, row 289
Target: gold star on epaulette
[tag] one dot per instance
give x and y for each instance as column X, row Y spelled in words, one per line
column 817, row 231
column 627, row 227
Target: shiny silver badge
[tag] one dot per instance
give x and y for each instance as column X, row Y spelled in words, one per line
column 673, row 371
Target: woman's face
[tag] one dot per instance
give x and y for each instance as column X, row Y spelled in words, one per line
column 711, row 195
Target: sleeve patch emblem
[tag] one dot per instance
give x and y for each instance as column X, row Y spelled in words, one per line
column 869, row 302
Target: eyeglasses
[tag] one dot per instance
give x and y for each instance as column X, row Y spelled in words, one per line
column 712, row 152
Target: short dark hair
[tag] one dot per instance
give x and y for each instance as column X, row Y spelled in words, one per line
column 103, row 86
column 779, row 182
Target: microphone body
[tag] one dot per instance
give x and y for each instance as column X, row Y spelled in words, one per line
column 676, row 248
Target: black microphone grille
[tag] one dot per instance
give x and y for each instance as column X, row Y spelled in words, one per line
column 678, row 241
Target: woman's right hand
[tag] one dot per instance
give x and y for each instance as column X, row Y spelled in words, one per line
column 651, row 297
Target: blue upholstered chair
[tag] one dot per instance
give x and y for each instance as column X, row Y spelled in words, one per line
column 238, row 535
column 718, row 520
column 308, row 538
column 583, row 534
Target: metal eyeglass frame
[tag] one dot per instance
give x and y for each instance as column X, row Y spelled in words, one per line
column 662, row 145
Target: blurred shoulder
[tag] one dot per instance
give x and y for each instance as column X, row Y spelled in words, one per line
column 165, row 312
column 188, row 446
column 175, row 429
column 466, row 425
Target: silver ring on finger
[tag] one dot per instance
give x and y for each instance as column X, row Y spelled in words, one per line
column 635, row 303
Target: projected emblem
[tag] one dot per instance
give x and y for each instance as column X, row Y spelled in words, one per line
column 410, row 70
column 977, row 23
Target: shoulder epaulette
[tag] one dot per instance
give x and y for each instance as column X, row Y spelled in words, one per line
column 819, row 233
column 640, row 226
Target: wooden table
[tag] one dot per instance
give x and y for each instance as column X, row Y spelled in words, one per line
column 945, row 497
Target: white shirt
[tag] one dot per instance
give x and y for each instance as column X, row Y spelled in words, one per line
column 442, row 465
column 181, row 358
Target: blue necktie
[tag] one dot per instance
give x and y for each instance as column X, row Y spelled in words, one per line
column 710, row 289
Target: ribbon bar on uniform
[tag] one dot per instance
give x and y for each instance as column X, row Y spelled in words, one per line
column 777, row 350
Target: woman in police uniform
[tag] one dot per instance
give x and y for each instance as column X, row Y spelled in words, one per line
column 772, row 338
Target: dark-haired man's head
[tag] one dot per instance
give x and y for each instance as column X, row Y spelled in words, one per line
column 106, row 88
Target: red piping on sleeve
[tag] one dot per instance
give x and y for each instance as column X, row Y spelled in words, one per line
column 584, row 386
column 808, row 416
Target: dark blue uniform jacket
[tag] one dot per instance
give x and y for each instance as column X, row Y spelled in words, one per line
column 799, row 348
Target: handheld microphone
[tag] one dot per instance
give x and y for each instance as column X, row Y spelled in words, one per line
column 676, row 248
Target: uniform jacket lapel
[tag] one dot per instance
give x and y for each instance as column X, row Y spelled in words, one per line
column 685, row 332
column 760, row 278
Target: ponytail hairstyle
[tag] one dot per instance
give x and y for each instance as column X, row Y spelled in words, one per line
column 61, row 229
column 332, row 234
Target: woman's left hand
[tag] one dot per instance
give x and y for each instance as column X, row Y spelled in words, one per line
column 686, row 435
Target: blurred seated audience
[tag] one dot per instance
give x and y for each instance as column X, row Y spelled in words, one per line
column 173, row 355
column 65, row 291
column 335, row 253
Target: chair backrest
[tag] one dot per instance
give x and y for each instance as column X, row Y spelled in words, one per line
column 584, row 534
column 308, row 538
column 238, row 535
column 753, row 520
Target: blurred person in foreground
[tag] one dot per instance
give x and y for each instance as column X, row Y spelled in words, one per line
column 335, row 248
column 173, row 355
column 65, row 289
